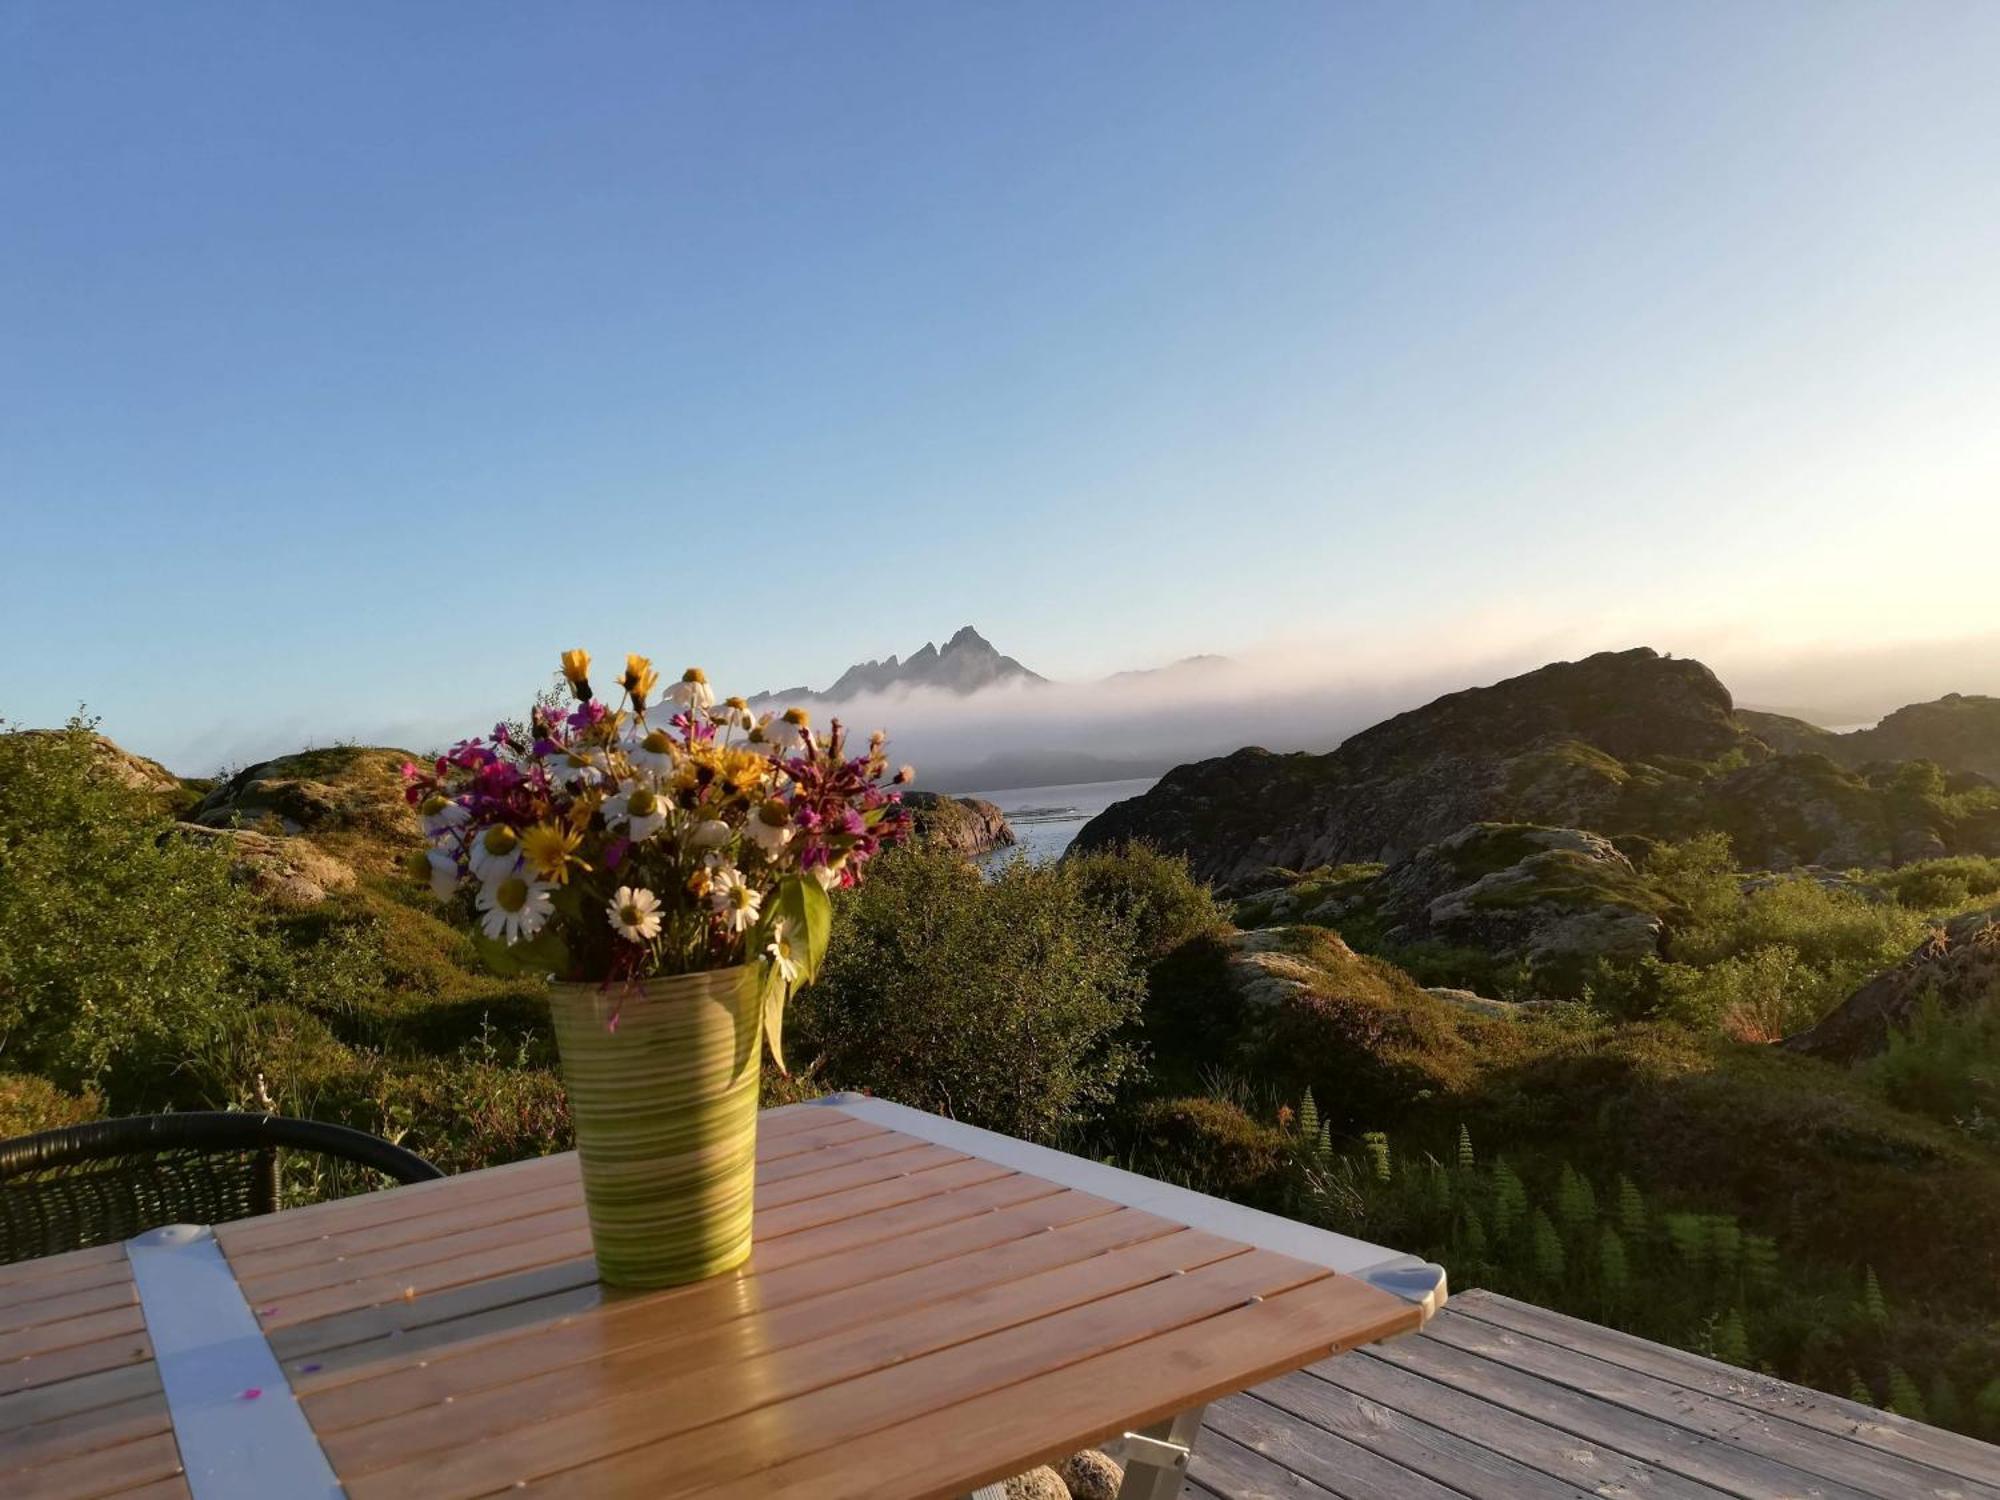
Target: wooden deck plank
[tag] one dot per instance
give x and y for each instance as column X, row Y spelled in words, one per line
column 1561, row 1454
column 1324, row 1460
column 1949, row 1451
column 1747, row 1430
column 1244, row 1474
column 811, row 1390
column 1435, row 1452
column 67, row 1274
column 1654, row 1439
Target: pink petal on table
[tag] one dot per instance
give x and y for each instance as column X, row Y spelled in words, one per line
column 252, row 1394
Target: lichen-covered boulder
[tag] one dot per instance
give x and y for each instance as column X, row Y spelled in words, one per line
column 287, row 871
column 1555, row 899
column 1091, row 1475
column 970, row 825
column 1037, row 1484
column 348, row 797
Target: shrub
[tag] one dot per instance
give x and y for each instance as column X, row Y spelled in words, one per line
column 1210, row 1145
column 1946, row 1065
column 1001, row 1002
column 1155, row 895
column 28, row 1105
column 124, row 950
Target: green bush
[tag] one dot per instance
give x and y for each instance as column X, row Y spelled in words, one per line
column 29, row 1104
column 1946, row 1065
column 125, row 951
column 1941, row 886
column 1003, row 1002
column 1210, row 1145
column 1154, row 895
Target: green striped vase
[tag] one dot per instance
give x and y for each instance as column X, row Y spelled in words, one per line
column 664, row 1100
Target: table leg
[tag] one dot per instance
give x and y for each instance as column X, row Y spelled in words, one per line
column 1156, row 1457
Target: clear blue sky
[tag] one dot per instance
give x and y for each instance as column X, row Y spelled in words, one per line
column 356, row 358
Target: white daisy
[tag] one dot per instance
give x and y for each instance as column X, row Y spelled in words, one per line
column 770, row 825
column 515, row 907
column 440, row 815
column 692, row 692
column 789, row 729
column 578, row 768
column 737, row 900
column 828, row 876
column 709, row 833
column 634, row 913
column 732, row 713
column 436, row 869
column 496, row 853
column 639, row 809
column 652, row 751
column 782, row 953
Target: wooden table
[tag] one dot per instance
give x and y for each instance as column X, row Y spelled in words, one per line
column 929, row 1309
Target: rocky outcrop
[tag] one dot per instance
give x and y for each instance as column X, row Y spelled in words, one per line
column 969, row 825
column 1623, row 742
column 286, row 870
column 1956, row 967
column 120, row 765
column 348, row 798
column 1960, row 733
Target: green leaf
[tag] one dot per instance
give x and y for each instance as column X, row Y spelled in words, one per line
column 776, row 992
column 545, row 953
column 817, row 910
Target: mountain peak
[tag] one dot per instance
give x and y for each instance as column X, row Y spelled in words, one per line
column 967, row 663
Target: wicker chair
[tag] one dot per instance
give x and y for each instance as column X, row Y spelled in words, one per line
column 103, row 1182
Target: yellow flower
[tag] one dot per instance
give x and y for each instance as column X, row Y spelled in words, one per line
column 550, row 851
column 639, row 680
column 576, row 668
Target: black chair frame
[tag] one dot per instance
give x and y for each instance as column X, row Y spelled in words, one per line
column 108, row 1180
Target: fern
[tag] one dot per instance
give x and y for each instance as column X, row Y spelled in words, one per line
column 1614, row 1271
column 1857, row 1389
column 1546, row 1249
column 1308, row 1119
column 1376, row 1144
column 1631, row 1210
column 1904, row 1398
column 1732, row 1339
column 1576, row 1204
column 1466, row 1160
column 1510, row 1200
column 1873, row 1304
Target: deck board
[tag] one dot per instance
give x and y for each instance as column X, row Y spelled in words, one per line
column 1498, row 1400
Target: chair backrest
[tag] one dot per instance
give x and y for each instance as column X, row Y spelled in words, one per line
column 106, row 1181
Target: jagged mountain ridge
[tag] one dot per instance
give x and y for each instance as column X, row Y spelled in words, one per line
column 966, row 663
column 1621, row 743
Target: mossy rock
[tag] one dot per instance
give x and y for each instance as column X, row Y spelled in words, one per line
column 349, row 798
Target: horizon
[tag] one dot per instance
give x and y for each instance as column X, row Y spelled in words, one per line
column 360, row 362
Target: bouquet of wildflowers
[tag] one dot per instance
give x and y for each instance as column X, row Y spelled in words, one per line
column 621, row 840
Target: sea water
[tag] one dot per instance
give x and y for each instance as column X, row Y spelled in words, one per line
column 1046, row 818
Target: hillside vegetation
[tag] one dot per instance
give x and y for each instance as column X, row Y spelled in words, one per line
column 1538, row 1050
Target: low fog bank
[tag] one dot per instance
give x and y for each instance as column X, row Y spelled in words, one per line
column 1293, row 695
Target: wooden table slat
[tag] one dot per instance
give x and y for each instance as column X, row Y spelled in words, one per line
column 100, row 1472
column 947, row 1256
column 68, row 1305
column 953, row 1445
column 914, row 1316
column 81, row 1431
column 921, row 1309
